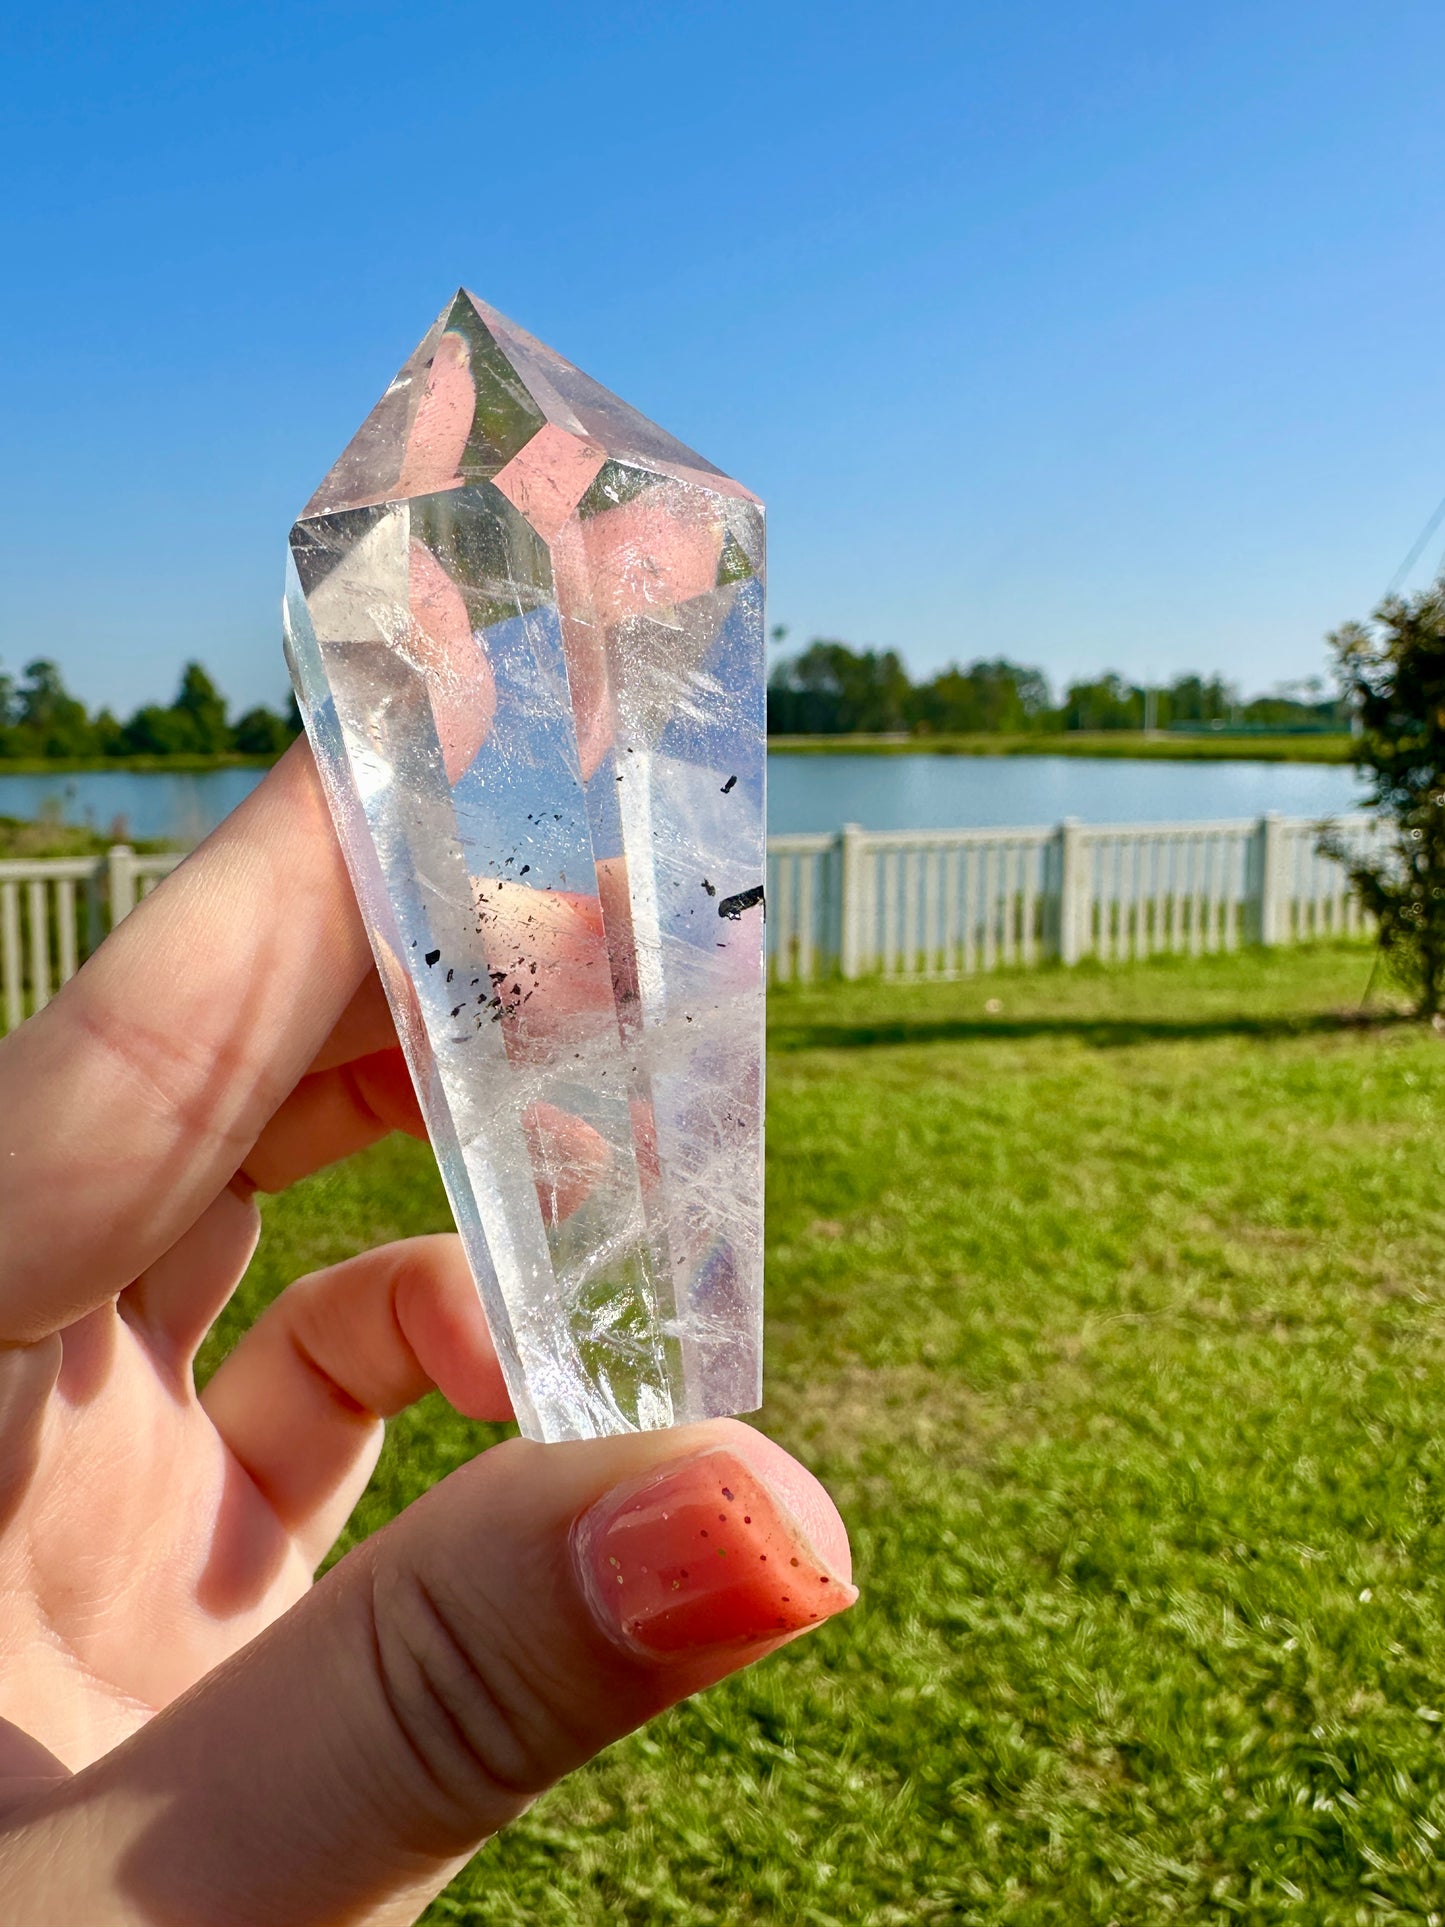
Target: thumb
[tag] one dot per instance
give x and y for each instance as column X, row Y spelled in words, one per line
column 523, row 1614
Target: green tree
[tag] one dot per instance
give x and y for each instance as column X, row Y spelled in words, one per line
column 156, row 731
column 1298, row 706
column 49, row 721
column 261, row 732
column 109, row 733
column 1195, row 699
column 997, row 696
column 201, row 707
column 193, row 725
column 832, row 689
column 1106, row 703
column 1392, row 674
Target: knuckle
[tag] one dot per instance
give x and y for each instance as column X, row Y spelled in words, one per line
column 169, row 1073
column 481, row 1730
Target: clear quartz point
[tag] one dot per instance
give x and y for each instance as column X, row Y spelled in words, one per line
column 526, row 632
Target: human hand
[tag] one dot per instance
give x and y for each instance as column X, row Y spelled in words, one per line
column 190, row 1731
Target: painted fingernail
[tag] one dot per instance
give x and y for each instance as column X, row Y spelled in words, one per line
column 700, row 1555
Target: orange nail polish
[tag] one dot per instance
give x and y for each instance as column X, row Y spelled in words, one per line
column 702, row 1555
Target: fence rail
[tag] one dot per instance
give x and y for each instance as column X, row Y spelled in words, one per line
column 906, row 903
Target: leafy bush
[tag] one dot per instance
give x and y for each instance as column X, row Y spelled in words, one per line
column 1393, row 672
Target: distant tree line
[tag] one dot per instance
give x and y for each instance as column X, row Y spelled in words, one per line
column 830, row 689
column 40, row 718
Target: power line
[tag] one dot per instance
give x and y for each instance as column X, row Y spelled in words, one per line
column 1419, row 549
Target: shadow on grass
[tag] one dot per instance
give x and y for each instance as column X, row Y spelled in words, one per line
column 1098, row 1033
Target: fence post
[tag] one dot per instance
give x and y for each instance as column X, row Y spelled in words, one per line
column 94, row 927
column 1273, row 912
column 852, row 892
column 1073, row 894
column 122, row 882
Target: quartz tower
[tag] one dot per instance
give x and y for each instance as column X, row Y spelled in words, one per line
column 526, row 632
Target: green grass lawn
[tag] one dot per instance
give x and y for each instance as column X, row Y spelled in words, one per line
column 1113, row 1318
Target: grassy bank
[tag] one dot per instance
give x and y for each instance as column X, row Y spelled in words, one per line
column 163, row 765
column 20, row 837
column 1115, row 1319
column 1128, row 743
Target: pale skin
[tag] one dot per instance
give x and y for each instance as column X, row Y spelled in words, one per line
column 192, row 1732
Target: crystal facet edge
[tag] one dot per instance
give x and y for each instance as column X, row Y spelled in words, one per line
column 363, row 865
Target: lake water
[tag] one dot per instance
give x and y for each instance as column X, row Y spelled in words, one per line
column 805, row 793
column 979, row 792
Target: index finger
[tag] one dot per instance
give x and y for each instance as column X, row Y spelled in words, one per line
column 130, row 1100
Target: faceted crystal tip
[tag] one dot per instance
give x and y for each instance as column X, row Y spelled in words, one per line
column 526, row 631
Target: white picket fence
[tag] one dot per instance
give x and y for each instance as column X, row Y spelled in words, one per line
column 904, row 903
column 947, row 903
column 53, row 913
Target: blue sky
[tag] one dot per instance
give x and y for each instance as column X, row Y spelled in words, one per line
column 1097, row 336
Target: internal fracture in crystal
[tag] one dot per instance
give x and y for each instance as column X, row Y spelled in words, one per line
column 526, row 632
